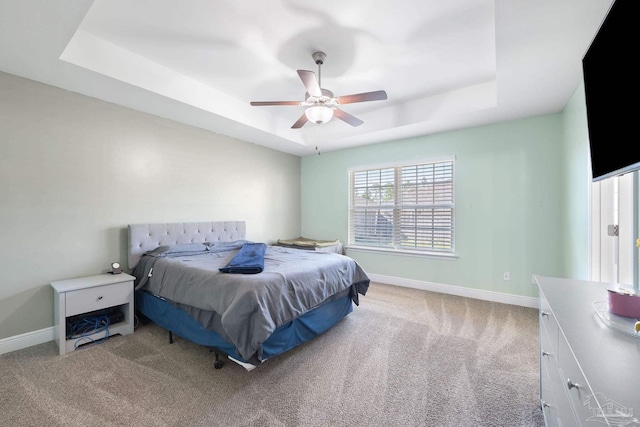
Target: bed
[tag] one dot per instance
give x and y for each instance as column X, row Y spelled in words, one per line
column 296, row 295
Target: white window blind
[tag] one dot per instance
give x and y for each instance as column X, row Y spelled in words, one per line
column 405, row 207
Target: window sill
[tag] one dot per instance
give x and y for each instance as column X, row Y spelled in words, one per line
column 401, row 252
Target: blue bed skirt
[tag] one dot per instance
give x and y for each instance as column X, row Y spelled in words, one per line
column 284, row 338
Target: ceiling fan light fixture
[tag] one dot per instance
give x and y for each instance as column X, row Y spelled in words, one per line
column 319, row 114
column 321, row 105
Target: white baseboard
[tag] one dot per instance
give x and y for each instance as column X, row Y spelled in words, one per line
column 29, row 339
column 458, row 290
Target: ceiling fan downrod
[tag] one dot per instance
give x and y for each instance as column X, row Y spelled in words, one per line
column 319, row 57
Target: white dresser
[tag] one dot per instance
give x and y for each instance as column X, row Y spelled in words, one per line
column 589, row 372
column 88, row 294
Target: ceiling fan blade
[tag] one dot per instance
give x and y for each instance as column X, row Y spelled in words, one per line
column 263, row 103
column 378, row 95
column 310, row 82
column 346, row 117
column 301, row 122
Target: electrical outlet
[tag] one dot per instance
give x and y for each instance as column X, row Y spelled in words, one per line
column 506, row 276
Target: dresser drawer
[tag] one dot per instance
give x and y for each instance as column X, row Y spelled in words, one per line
column 565, row 415
column 548, row 324
column 96, row 298
column 548, row 351
column 553, row 391
column 556, row 410
column 547, row 399
column 580, row 395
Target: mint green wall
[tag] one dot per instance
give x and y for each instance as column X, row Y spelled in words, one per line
column 509, row 200
column 575, row 180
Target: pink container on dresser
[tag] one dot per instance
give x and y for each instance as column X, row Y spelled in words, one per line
column 624, row 301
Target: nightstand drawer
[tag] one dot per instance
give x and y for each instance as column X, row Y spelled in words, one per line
column 96, row 298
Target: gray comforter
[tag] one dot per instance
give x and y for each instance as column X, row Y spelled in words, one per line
column 251, row 306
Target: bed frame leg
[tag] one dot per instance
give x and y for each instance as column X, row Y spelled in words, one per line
column 170, row 337
column 217, row 364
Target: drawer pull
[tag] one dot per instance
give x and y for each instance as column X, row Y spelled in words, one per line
column 100, row 297
column 544, row 313
column 544, row 353
column 545, row 405
column 572, row 384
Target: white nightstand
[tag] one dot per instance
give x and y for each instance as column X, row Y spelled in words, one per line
column 87, row 294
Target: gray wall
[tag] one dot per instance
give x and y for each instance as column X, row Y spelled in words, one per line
column 74, row 171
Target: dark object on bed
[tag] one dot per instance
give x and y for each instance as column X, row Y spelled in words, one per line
column 248, row 260
column 298, row 295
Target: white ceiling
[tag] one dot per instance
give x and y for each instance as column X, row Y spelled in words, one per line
column 445, row 65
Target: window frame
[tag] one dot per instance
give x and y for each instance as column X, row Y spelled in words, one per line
column 397, row 207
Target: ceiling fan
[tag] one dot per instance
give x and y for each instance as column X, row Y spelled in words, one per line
column 321, row 104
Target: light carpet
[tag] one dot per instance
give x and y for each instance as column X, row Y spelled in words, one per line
column 404, row 357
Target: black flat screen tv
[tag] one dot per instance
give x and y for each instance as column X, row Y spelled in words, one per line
column 611, row 85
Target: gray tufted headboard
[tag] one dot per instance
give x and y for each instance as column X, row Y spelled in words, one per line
column 145, row 237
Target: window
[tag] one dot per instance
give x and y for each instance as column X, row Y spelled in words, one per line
column 403, row 207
